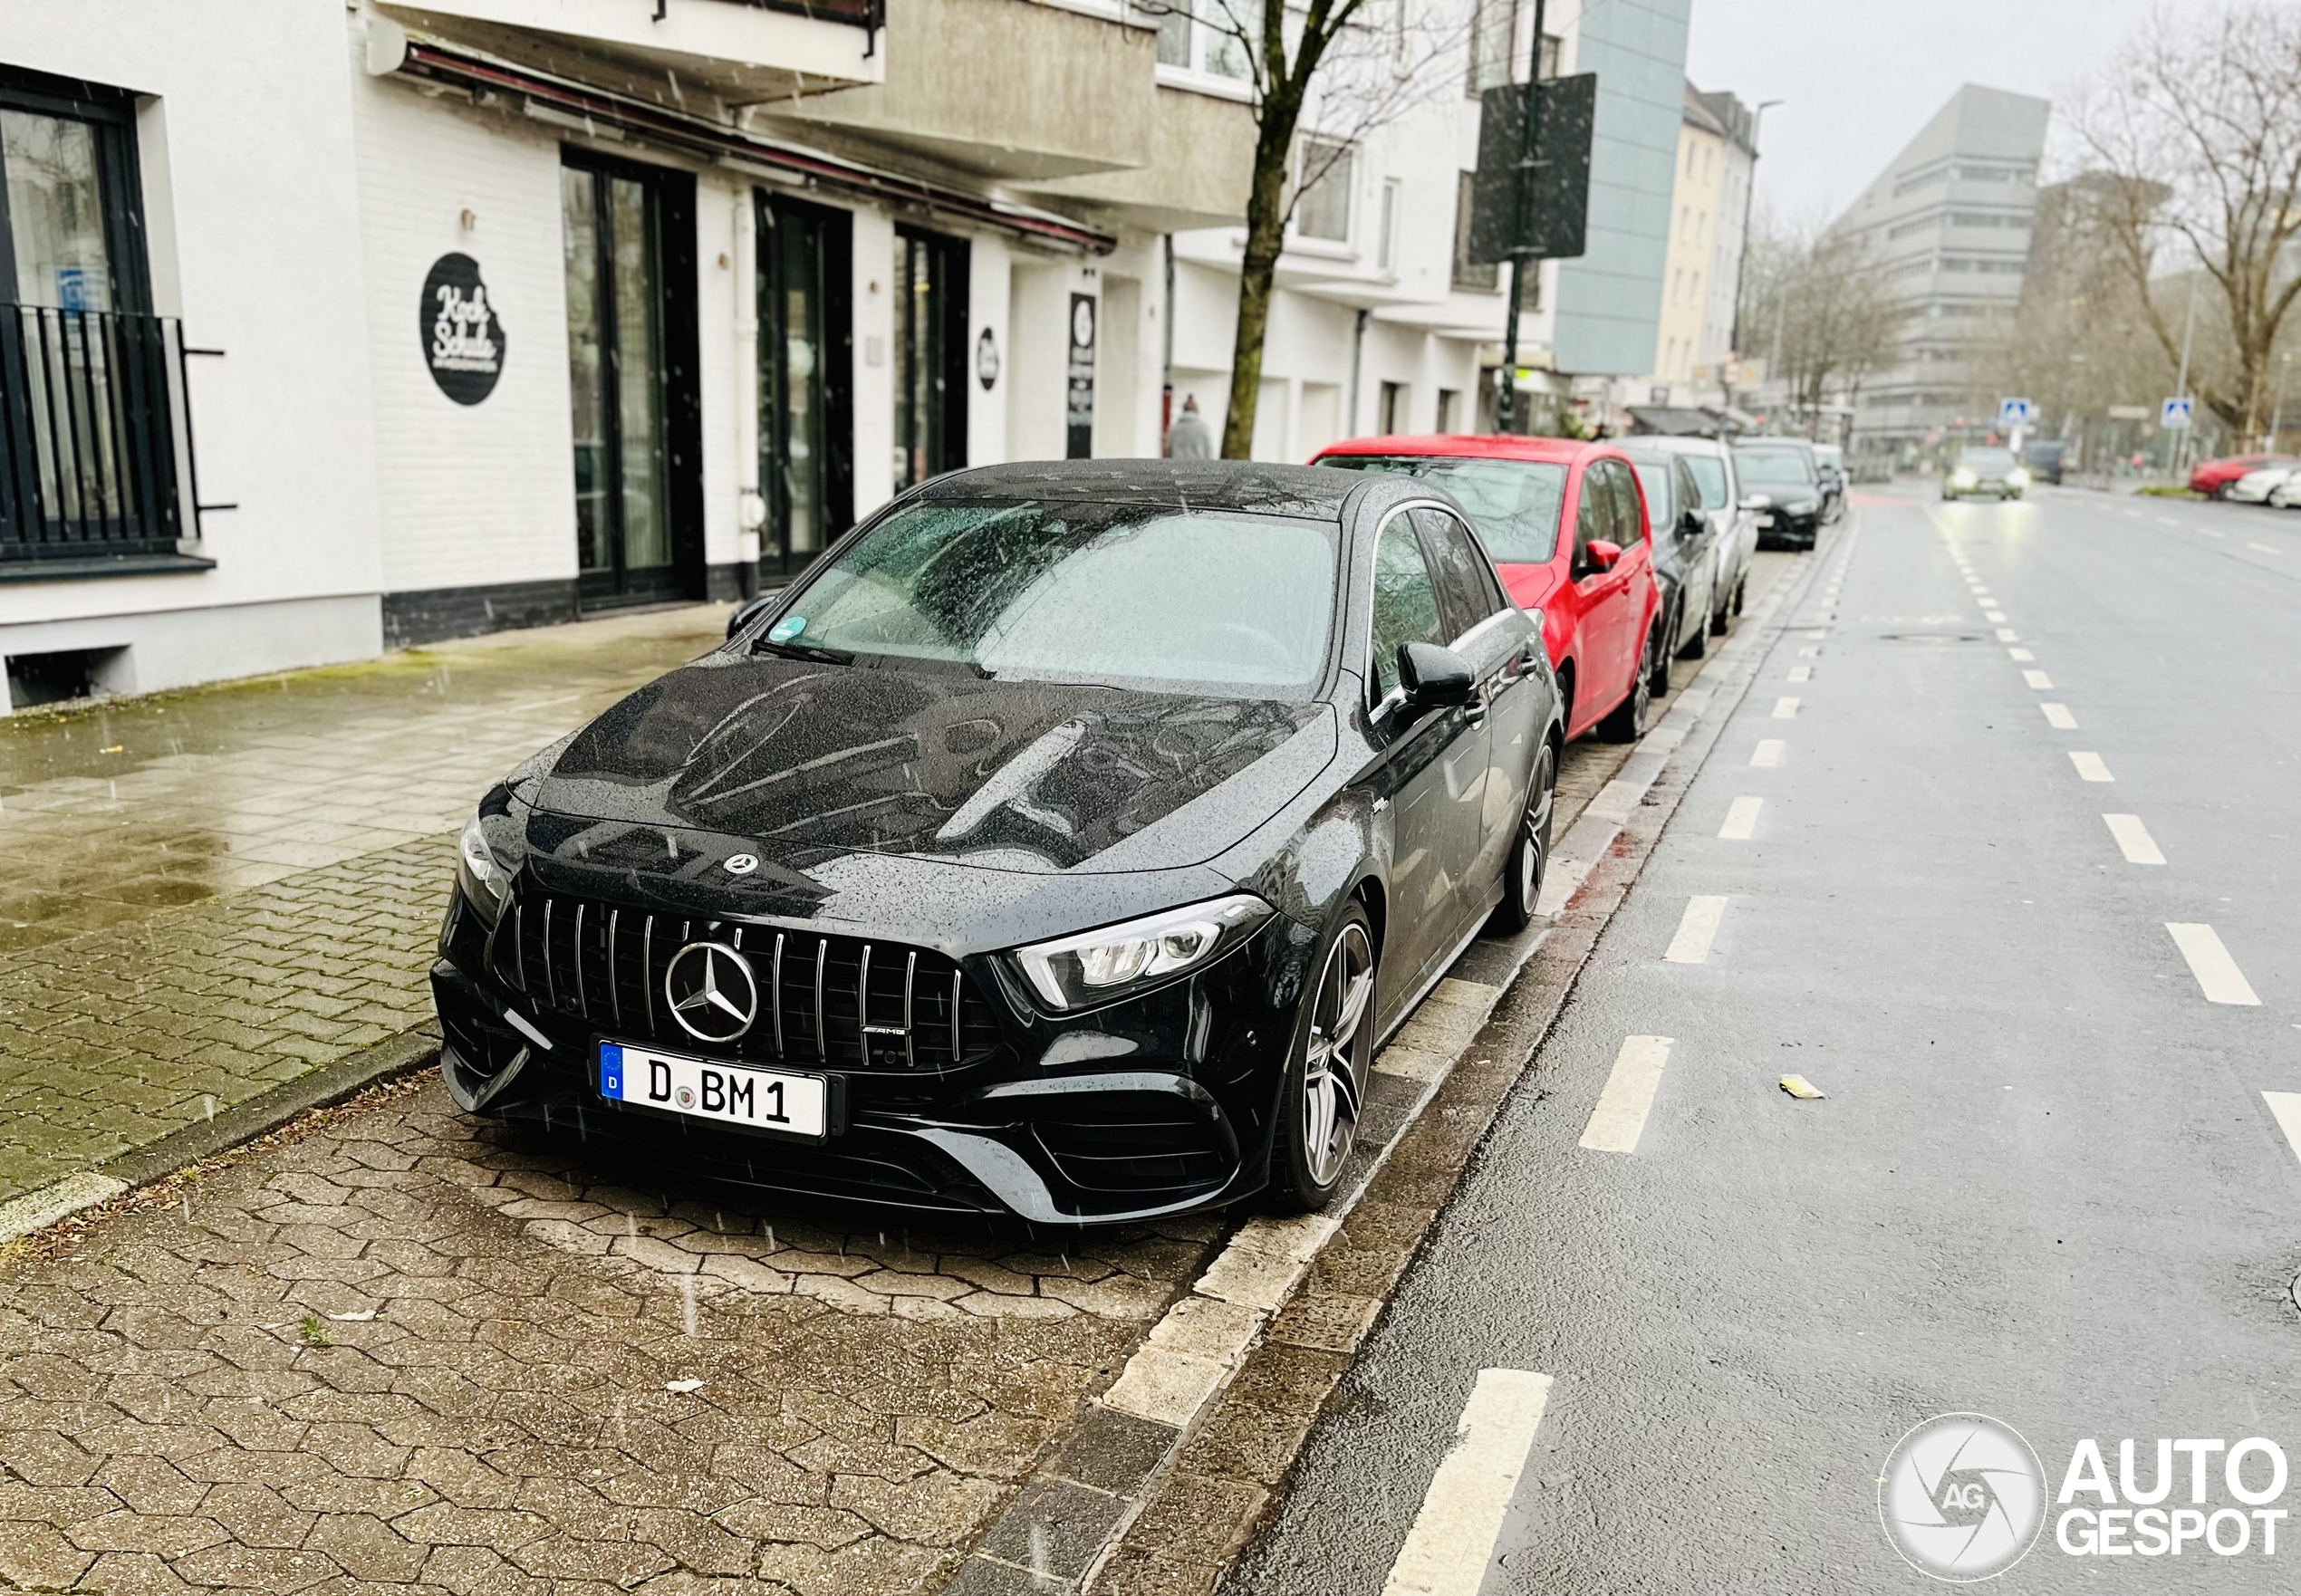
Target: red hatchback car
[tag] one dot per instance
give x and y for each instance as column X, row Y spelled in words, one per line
column 1595, row 590
column 2215, row 478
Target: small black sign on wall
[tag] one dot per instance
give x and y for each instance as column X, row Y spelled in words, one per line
column 1079, row 443
column 463, row 338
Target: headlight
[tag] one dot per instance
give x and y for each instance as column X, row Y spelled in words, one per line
column 1962, row 477
column 2017, row 477
column 1804, row 506
column 1102, row 967
column 483, row 877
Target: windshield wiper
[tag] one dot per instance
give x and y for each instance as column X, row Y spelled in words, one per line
column 802, row 651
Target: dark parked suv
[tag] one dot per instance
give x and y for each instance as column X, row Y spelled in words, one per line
column 1782, row 481
column 1064, row 845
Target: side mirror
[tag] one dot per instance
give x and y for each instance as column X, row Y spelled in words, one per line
column 1692, row 524
column 1758, row 501
column 1433, row 677
column 1604, row 554
column 748, row 612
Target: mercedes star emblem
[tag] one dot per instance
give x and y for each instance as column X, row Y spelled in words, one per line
column 741, row 864
column 711, row 992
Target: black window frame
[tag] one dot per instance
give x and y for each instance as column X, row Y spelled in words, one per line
column 1469, row 595
column 951, row 268
column 111, row 112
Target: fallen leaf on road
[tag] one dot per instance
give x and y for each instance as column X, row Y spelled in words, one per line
column 1799, row 1087
column 683, row 1386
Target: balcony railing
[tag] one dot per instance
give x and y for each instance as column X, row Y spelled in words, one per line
column 95, row 441
column 861, row 14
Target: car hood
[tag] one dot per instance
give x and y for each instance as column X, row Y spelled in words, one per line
column 811, row 765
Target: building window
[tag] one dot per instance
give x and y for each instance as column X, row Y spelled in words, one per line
column 1205, row 35
column 1326, row 174
column 1386, row 243
column 1449, row 401
column 1390, row 418
column 1173, row 17
column 1494, row 35
column 89, row 379
column 930, row 354
column 1467, row 276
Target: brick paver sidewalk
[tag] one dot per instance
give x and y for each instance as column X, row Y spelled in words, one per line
column 207, row 893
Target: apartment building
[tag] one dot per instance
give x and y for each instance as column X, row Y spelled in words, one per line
column 335, row 328
column 1947, row 225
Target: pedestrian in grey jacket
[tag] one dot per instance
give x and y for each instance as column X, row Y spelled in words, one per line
column 1191, row 438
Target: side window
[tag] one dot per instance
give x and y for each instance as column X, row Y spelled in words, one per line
column 1690, row 492
column 1468, row 592
column 1593, row 514
column 1405, row 600
column 1629, row 520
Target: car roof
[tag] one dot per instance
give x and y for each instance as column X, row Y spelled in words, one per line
column 1310, row 491
column 1794, row 444
column 1674, row 443
column 1563, row 451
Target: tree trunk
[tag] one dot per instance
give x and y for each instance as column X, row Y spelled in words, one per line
column 1265, row 239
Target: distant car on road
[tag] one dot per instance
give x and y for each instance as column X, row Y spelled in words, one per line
column 2255, row 486
column 1782, row 484
column 2043, row 458
column 2213, row 478
column 1685, row 545
column 1595, row 590
column 1979, row 470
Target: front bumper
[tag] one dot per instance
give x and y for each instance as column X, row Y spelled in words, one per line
column 1158, row 1105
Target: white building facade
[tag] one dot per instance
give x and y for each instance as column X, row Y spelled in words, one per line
column 504, row 311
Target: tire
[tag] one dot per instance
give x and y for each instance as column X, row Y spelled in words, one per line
column 1723, row 619
column 1741, row 591
column 1626, row 723
column 1325, row 1084
column 1658, row 660
column 1529, row 860
column 1695, row 647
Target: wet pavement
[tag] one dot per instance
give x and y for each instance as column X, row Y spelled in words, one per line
column 205, row 893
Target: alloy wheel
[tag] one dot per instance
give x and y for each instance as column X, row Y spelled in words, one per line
column 1332, row 1088
column 1534, row 857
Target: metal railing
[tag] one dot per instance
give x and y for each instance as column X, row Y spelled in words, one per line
column 95, row 442
column 861, row 14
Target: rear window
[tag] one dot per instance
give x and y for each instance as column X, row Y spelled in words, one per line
column 1987, row 459
column 1514, row 503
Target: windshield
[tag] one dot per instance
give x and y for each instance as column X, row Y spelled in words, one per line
column 1655, row 480
column 1112, row 594
column 1710, row 476
column 1774, row 467
column 1987, row 459
column 1514, row 502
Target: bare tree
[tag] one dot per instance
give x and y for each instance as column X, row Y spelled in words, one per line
column 2197, row 128
column 1819, row 305
column 1324, row 74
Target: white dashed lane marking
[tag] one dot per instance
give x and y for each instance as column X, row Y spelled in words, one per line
column 1448, row 1551
column 2057, row 717
column 2039, row 679
column 1697, row 929
column 2286, row 1107
column 2133, row 838
column 2020, row 654
column 1993, row 615
column 2265, row 548
column 1800, row 673
column 2005, row 635
column 2209, row 962
column 1785, row 708
column 1741, row 820
column 2090, row 766
column 1620, row 1118
column 1768, row 752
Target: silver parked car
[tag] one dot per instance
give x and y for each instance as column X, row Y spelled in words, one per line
column 1719, row 481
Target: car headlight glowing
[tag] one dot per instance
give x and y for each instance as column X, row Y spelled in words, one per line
column 1963, row 477
column 486, row 882
column 1102, row 967
column 2017, row 477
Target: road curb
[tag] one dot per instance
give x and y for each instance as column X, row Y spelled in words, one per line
column 403, row 1054
column 1121, row 1477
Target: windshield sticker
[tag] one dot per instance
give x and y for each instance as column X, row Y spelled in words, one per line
column 789, row 627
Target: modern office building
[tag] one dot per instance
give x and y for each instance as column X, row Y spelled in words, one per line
column 1947, row 227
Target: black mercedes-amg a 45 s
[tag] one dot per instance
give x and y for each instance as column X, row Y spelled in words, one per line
column 1062, row 843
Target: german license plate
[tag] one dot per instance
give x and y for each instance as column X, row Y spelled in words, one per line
column 705, row 1089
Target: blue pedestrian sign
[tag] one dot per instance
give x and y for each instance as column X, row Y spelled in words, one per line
column 2017, row 412
column 2175, row 414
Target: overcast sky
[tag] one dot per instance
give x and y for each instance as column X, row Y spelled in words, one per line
column 1861, row 77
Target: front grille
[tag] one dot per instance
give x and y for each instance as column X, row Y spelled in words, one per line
column 838, row 1001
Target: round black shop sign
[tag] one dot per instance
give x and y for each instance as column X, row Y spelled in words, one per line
column 463, row 338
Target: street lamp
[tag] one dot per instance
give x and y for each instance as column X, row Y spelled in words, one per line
column 1749, row 197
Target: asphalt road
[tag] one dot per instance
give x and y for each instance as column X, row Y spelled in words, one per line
column 2044, row 1184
